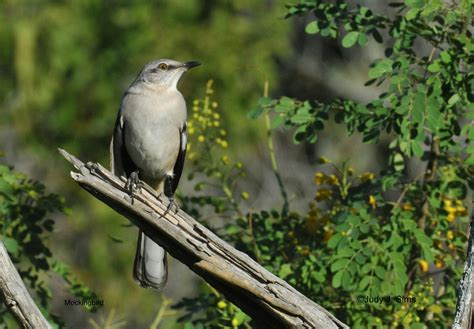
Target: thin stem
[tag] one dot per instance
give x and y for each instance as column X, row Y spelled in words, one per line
column 285, row 208
column 161, row 313
column 255, row 245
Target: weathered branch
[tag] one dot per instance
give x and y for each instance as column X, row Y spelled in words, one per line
column 270, row 301
column 15, row 296
column 464, row 318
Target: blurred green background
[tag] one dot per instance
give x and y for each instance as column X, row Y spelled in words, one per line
column 64, row 66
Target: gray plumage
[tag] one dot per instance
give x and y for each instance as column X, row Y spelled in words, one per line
column 150, row 139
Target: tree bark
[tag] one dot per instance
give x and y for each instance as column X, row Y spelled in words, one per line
column 270, row 301
column 464, row 318
column 15, row 296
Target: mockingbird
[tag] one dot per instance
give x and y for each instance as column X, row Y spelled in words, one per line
column 149, row 144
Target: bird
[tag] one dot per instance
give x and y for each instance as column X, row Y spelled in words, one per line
column 149, row 144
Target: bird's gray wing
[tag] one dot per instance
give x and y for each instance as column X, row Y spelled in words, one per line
column 179, row 165
column 120, row 162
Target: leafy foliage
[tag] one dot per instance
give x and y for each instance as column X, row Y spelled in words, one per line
column 25, row 226
column 383, row 235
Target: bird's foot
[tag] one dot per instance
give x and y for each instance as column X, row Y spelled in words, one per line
column 172, row 205
column 133, row 184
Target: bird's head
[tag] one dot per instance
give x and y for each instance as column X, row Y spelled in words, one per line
column 165, row 73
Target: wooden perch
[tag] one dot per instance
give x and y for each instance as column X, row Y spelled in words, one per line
column 270, row 301
column 464, row 318
column 15, row 296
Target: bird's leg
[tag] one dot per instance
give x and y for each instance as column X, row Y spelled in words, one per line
column 133, row 183
column 168, row 189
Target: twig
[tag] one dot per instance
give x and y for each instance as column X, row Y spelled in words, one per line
column 273, row 160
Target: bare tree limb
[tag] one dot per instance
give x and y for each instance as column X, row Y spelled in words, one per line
column 464, row 318
column 15, row 296
column 270, row 301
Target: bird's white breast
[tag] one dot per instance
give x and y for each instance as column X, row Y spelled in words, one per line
column 152, row 122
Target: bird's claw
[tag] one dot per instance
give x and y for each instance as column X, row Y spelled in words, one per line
column 133, row 184
column 171, row 204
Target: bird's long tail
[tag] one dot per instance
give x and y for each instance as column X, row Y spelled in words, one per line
column 150, row 268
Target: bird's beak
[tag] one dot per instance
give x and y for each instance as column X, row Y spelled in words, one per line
column 191, row 64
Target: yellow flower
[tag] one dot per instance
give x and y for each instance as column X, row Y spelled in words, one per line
column 439, row 263
column 451, row 217
column 423, row 265
column 225, row 160
column 319, row 178
column 222, row 304
column 196, row 102
column 332, row 179
column 216, row 123
column 245, row 195
column 201, row 139
column 224, row 144
column 461, row 210
column 449, row 235
column 323, row 159
column 323, row 194
column 222, row 132
column 368, row 176
column 239, row 165
column 372, row 201
column 214, row 104
column 235, row 322
column 350, row 171
column 327, row 236
column 407, row 206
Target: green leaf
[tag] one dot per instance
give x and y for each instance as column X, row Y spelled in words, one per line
column 299, row 134
column 350, row 39
column 415, row 3
column 398, row 162
column 412, row 13
column 434, row 67
column 255, row 113
column 346, row 279
column 277, row 121
column 336, row 280
column 265, row 101
column 312, row 28
column 285, row 270
column 380, row 68
column 362, row 40
column 364, row 282
column 453, row 99
column 380, row 272
column 339, row 264
column 445, row 57
column 334, row 241
column 11, row 245
column 417, row 149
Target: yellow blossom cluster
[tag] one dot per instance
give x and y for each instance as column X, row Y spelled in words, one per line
column 372, row 201
column 316, row 218
column 454, row 208
column 321, row 178
column 406, row 315
column 204, row 123
column 367, row 176
column 323, row 194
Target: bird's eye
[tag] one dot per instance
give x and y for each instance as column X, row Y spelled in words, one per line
column 163, row 66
